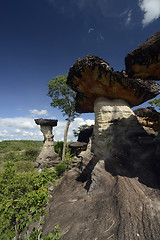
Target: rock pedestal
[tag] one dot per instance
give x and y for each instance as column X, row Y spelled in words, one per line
column 120, row 140
column 47, row 157
column 106, row 130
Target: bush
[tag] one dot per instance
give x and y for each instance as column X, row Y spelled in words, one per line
column 58, row 147
column 24, row 166
column 23, row 197
column 61, row 168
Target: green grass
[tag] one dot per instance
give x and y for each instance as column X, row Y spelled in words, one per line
column 19, row 145
column 22, row 150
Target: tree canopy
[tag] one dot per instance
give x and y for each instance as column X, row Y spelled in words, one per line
column 63, row 97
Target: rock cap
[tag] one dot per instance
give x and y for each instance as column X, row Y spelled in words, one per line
column 92, row 77
column 46, row 122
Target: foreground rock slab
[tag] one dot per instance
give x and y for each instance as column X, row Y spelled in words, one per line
column 114, row 207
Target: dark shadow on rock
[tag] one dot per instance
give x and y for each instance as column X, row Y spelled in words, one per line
column 85, row 176
column 132, row 154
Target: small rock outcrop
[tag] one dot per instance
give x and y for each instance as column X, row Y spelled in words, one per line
column 149, row 118
column 144, row 61
column 77, row 147
column 48, row 157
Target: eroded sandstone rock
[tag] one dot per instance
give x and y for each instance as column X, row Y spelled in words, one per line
column 144, row 61
column 47, row 157
column 92, row 77
column 116, row 193
column 149, row 118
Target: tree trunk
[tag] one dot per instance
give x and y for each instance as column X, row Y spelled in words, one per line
column 65, row 136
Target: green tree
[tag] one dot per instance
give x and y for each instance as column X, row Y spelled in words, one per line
column 155, row 103
column 63, row 97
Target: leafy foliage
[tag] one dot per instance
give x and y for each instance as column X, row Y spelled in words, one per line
column 23, row 197
column 36, row 234
column 155, row 103
column 62, row 96
column 23, row 191
column 58, row 147
column 66, row 164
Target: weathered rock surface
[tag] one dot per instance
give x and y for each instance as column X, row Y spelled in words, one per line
column 144, row 61
column 92, row 77
column 47, row 157
column 148, row 117
column 104, row 206
column 46, row 122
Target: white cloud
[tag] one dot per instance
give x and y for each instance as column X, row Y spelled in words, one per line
column 129, row 17
column 59, row 130
column 151, row 9
column 18, row 123
column 5, row 134
column 101, row 37
column 35, row 112
column 90, row 30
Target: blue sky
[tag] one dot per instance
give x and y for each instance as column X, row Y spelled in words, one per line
column 40, row 39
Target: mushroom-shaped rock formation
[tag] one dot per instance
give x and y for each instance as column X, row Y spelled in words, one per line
column 109, row 94
column 149, row 118
column 116, row 193
column 47, row 157
column 92, row 77
column 144, row 61
column 116, row 196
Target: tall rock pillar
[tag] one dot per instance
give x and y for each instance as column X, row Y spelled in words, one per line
column 47, row 157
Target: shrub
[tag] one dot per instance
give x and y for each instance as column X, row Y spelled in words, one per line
column 61, row 168
column 24, row 166
column 23, row 197
column 58, row 147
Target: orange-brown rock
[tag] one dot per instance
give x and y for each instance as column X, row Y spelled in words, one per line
column 144, row 61
column 92, row 77
column 148, row 117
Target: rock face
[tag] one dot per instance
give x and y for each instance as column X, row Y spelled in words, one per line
column 107, row 130
column 47, row 157
column 144, row 61
column 92, row 77
column 149, row 118
column 104, row 206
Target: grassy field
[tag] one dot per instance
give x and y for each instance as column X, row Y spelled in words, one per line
column 23, row 150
